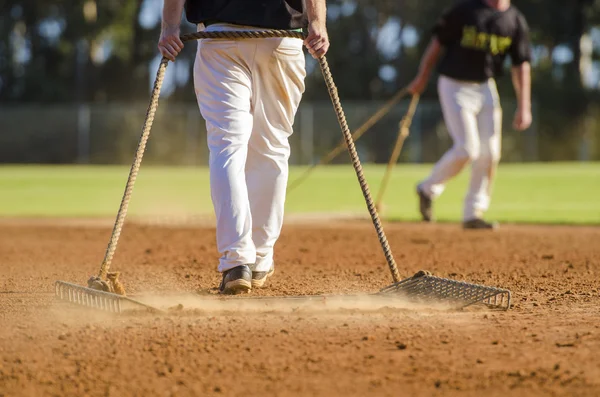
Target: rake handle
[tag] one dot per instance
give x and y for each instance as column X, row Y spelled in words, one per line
column 339, row 111
column 403, row 132
column 135, row 168
column 360, row 131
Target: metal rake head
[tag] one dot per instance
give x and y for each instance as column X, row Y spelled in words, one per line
column 100, row 300
column 425, row 287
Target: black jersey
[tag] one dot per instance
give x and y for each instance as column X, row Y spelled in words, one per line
column 477, row 39
column 272, row 14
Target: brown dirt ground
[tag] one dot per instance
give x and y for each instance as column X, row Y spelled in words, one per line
column 547, row 344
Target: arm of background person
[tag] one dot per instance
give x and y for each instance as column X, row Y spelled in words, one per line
column 428, row 61
column 521, row 78
column 446, row 31
column 520, row 53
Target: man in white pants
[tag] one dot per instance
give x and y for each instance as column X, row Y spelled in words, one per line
column 248, row 92
column 475, row 36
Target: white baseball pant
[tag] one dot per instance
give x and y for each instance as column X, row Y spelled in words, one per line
column 248, row 92
column 473, row 117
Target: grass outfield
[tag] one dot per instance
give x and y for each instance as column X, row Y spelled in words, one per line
column 526, row 193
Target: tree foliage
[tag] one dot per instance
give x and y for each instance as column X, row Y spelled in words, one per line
column 99, row 51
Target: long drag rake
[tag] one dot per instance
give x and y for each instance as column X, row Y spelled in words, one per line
column 105, row 291
column 97, row 299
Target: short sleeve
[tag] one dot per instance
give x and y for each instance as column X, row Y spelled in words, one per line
column 448, row 28
column 520, row 50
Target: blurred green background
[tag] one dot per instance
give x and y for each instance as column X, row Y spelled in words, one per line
column 524, row 193
column 75, row 78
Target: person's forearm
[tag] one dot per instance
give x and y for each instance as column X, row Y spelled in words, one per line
column 521, row 77
column 171, row 16
column 316, row 11
column 430, row 58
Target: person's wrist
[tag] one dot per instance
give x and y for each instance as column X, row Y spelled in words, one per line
column 525, row 107
column 169, row 27
column 316, row 22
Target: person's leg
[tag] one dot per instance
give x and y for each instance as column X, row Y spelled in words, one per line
column 461, row 102
column 489, row 123
column 278, row 84
column 223, row 86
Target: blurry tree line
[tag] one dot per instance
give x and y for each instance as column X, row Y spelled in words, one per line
column 90, row 51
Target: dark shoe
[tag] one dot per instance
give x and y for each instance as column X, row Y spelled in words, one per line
column 425, row 205
column 478, row 223
column 236, row 280
column 259, row 278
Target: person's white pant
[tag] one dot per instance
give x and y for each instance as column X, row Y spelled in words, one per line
column 248, row 92
column 473, row 117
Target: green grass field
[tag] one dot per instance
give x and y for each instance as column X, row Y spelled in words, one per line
column 524, row 193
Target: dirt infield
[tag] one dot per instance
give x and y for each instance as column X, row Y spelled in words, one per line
column 547, row 344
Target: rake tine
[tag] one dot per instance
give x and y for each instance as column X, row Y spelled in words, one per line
column 100, row 300
column 463, row 294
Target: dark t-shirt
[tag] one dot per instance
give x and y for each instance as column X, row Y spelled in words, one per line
column 272, row 14
column 477, row 39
